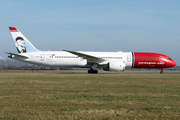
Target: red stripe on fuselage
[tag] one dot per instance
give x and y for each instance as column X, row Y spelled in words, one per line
column 152, row 60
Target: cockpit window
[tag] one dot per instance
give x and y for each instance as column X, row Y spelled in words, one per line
column 169, row 58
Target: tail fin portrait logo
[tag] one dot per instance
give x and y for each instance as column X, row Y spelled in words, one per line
column 20, row 42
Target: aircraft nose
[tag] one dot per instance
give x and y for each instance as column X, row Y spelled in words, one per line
column 173, row 64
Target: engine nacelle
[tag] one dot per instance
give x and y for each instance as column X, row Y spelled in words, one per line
column 115, row 66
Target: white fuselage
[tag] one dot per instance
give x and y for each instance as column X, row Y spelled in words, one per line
column 65, row 59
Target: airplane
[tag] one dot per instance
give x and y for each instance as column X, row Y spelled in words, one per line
column 108, row 61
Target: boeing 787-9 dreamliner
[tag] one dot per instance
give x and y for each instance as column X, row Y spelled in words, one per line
column 109, row 61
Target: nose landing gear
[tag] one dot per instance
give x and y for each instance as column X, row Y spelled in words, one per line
column 162, row 72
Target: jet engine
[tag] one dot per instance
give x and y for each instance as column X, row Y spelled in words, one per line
column 115, row 66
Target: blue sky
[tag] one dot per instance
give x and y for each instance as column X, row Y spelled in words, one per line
column 94, row 25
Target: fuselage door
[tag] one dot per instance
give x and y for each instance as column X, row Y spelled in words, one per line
column 128, row 58
column 161, row 59
column 42, row 57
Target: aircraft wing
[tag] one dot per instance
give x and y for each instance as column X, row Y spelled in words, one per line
column 16, row 55
column 89, row 58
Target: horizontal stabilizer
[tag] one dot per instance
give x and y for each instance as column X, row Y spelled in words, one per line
column 16, row 55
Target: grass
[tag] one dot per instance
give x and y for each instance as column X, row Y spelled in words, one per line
column 103, row 96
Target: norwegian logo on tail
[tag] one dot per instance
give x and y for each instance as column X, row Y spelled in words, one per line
column 22, row 44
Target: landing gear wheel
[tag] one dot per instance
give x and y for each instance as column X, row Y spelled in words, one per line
column 96, row 72
column 162, row 72
column 91, row 71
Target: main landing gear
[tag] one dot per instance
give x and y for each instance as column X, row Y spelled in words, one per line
column 91, row 71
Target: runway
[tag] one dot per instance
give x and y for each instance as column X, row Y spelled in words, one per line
column 127, row 72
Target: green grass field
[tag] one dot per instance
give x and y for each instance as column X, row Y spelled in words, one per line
column 78, row 95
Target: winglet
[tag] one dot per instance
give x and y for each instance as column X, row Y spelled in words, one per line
column 65, row 50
